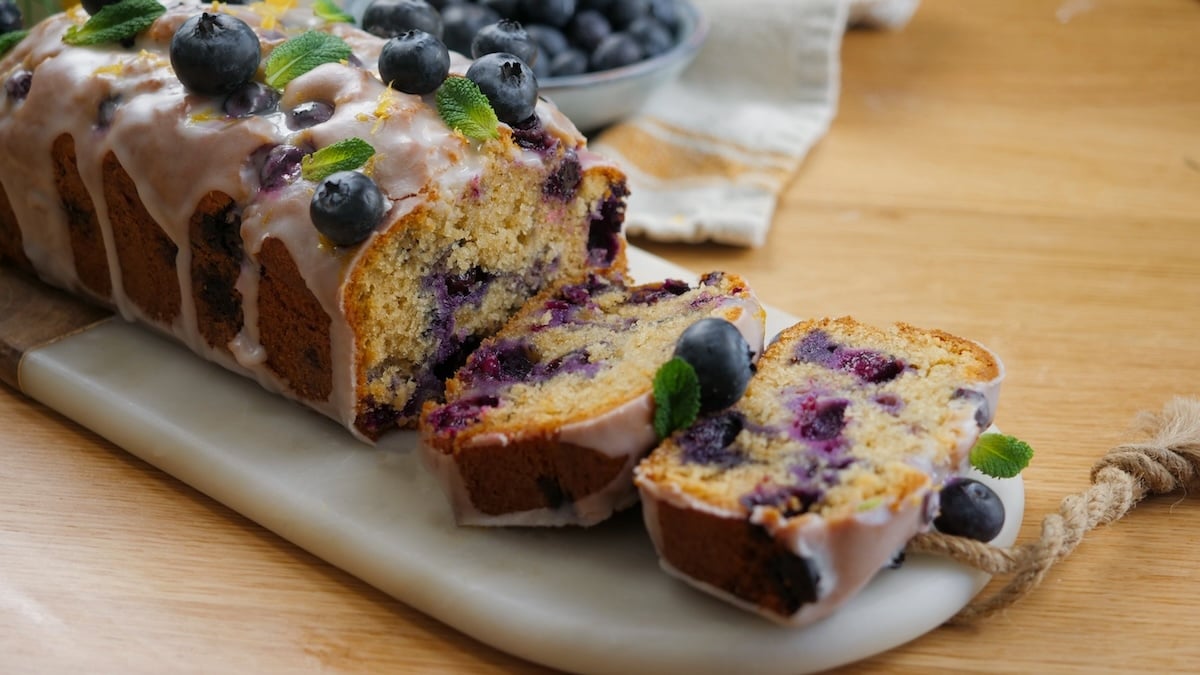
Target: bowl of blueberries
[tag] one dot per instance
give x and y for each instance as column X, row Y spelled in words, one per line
column 597, row 60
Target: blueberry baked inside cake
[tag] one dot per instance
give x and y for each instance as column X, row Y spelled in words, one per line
column 545, row 422
column 243, row 178
column 789, row 502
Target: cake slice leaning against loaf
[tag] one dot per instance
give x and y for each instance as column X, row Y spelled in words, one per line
column 789, row 502
column 545, row 422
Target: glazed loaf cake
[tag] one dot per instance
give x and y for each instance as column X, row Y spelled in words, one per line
column 789, row 502
column 190, row 213
column 545, row 422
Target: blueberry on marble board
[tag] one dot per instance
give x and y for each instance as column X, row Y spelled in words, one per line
column 347, row 207
column 505, row 35
column 414, row 62
column 389, row 18
column 213, row 54
column 970, row 509
column 509, row 85
column 721, row 357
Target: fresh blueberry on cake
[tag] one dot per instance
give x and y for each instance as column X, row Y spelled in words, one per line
column 545, row 422
column 788, row 502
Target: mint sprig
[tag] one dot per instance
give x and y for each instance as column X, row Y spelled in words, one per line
column 676, row 397
column 327, row 10
column 114, row 23
column 301, row 54
column 10, row 40
column 465, row 109
column 1000, row 456
column 345, row 155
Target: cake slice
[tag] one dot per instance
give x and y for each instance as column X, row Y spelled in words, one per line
column 790, row 501
column 545, row 422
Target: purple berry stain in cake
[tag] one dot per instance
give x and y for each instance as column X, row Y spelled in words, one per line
column 983, row 411
column 817, row 418
column 531, row 135
column 867, row 365
column 710, row 441
column 891, row 403
column 377, row 418
column 504, row 363
column 563, row 182
column 460, row 414
column 604, row 232
column 790, row 500
column 652, row 293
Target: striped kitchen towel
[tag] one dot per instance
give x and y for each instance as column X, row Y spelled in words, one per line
column 709, row 155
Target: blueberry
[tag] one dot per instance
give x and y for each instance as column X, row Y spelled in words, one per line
column 598, row 5
column 389, row 18
column 509, row 84
column 281, row 166
column 624, row 12
column 347, row 207
column 309, row 114
column 17, row 86
column 721, row 358
column 588, row 29
column 667, row 12
column 615, row 51
column 462, row 22
column 507, row 8
column 653, row 37
column 213, row 54
column 970, row 509
column 10, row 17
column 549, row 38
column 250, row 98
column 553, row 12
column 541, row 64
column 414, row 62
column 93, row 6
column 505, row 35
column 570, row 62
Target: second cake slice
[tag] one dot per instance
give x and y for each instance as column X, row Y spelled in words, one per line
column 545, row 422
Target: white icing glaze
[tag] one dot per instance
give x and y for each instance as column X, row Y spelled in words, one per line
column 178, row 147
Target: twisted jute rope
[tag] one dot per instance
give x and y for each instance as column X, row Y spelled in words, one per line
column 1167, row 461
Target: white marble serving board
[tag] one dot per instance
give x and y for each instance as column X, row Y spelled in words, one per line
column 589, row 601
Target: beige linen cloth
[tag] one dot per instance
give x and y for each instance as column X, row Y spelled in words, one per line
column 708, row 155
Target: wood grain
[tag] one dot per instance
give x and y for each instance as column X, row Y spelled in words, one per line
column 32, row 314
column 994, row 170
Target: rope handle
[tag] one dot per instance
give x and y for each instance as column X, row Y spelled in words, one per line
column 1128, row 473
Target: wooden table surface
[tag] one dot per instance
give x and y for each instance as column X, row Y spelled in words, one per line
column 1022, row 172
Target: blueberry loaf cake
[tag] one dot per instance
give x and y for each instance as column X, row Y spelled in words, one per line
column 545, row 422
column 177, row 177
column 791, row 500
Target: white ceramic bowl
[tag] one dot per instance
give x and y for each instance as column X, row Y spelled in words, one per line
column 595, row 100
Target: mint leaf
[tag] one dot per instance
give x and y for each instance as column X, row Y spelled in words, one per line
column 10, row 40
column 465, row 109
column 345, row 155
column 114, row 23
column 329, row 11
column 676, row 397
column 301, row 54
column 1000, row 456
